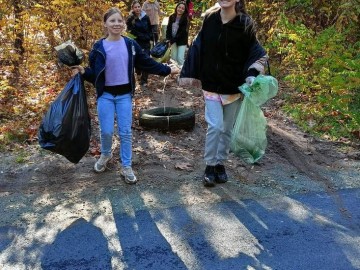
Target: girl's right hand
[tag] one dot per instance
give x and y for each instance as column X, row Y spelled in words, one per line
column 175, row 69
column 76, row 69
column 250, row 80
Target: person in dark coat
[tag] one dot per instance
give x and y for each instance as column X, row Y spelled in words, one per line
column 177, row 32
column 138, row 24
column 224, row 55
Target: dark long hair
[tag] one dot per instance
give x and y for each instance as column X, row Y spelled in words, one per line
column 135, row 2
column 184, row 16
column 240, row 7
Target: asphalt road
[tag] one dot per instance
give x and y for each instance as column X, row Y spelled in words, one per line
column 122, row 229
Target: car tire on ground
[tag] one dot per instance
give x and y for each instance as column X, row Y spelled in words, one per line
column 167, row 118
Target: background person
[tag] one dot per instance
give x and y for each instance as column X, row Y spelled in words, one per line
column 152, row 9
column 177, row 32
column 190, row 9
column 111, row 70
column 224, row 55
column 138, row 24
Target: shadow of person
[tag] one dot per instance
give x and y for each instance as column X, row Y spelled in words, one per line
column 144, row 246
column 80, row 246
column 299, row 232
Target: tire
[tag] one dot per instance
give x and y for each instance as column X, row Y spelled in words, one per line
column 168, row 118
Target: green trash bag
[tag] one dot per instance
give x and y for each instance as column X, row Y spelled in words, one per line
column 248, row 139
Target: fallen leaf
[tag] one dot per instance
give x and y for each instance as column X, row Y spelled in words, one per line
column 184, row 166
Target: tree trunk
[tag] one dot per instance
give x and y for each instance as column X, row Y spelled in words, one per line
column 19, row 39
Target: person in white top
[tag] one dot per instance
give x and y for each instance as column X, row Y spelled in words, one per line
column 153, row 10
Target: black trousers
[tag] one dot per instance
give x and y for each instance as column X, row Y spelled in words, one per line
column 155, row 32
column 143, row 75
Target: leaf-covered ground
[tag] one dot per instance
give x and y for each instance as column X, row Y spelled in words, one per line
column 294, row 161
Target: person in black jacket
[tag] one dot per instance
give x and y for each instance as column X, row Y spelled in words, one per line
column 177, row 32
column 138, row 24
column 224, row 55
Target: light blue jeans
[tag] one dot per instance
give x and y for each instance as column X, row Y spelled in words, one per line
column 107, row 106
column 178, row 53
column 220, row 120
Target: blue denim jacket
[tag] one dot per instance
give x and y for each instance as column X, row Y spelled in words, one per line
column 95, row 72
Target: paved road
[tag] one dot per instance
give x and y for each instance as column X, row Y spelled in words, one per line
column 119, row 229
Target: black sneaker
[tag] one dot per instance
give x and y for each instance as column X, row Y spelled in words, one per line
column 209, row 176
column 220, row 173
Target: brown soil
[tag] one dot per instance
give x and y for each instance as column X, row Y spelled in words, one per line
column 294, row 161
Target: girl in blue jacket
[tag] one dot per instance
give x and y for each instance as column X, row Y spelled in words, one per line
column 224, row 55
column 111, row 70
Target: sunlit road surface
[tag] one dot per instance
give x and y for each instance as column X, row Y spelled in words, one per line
column 189, row 228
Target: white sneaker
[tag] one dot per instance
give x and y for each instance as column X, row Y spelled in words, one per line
column 100, row 165
column 128, row 175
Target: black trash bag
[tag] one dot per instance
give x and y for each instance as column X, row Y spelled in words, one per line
column 159, row 49
column 65, row 128
column 69, row 54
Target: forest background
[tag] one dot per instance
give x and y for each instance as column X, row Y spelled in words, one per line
column 314, row 50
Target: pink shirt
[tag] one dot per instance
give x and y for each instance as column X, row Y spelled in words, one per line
column 224, row 99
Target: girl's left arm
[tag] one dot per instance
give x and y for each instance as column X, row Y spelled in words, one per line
column 190, row 71
column 146, row 63
column 257, row 57
column 257, row 60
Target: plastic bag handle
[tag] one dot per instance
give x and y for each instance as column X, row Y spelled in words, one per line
column 268, row 66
